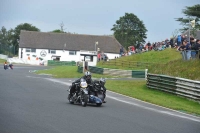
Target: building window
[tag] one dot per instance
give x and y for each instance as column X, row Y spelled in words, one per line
column 32, row 50
column 52, row 51
column 72, row 52
column 88, row 58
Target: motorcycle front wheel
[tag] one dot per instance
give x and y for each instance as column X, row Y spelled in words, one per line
column 84, row 100
column 70, row 99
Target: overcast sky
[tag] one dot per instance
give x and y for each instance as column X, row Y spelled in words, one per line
column 94, row 17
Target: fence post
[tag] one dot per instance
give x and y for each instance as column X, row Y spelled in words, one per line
column 146, row 72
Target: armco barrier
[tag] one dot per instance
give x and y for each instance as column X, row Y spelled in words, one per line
column 80, row 69
column 96, row 70
column 179, row 86
column 61, row 63
column 115, row 72
column 138, row 74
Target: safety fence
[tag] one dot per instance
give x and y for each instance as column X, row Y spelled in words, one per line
column 115, row 72
column 126, row 64
column 179, row 86
column 61, row 63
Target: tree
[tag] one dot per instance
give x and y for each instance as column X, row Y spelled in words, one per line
column 6, row 41
column 175, row 33
column 58, row 31
column 129, row 30
column 191, row 13
column 3, row 36
column 16, row 33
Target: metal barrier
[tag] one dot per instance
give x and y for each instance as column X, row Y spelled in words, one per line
column 115, row 72
column 179, row 86
column 127, row 64
column 190, row 54
column 61, row 63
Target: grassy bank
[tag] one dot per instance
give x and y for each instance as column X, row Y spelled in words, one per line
column 178, row 68
column 167, row 62
column 152, row 58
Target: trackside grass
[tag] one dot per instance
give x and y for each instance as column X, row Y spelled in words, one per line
column 2, row 61
column 67, row 72
column 138, row 89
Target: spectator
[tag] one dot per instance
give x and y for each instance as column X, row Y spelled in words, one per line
column 172, row 42
column 188, row 49
column 121, row 51
column 193, row 43
column 179, row 40
column 141, row 47
column 197, row 47
column 99, row 56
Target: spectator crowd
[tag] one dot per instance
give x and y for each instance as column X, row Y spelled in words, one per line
column 189, row 46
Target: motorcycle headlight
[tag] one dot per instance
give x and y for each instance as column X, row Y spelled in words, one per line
column 83, row 84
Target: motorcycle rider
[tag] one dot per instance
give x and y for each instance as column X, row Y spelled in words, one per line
column 101, row 83
column 5, row 65
column 88, row 79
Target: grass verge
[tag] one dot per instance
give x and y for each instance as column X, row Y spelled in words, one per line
column 138, row 90
column 2, row 61
column 67, row 72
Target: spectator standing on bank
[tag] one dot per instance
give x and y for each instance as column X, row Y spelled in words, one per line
column 99, row 56
column 188, row 49
column 179, row 39
column 121, row 51
column 197, row 47
column 172, row 42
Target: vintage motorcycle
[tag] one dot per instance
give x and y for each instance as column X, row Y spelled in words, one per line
column 82, row 97
column 10, row 66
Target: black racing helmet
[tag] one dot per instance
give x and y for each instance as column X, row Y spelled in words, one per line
column 102, row 81
column 88, row 76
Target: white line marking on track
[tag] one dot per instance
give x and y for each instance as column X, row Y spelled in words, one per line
column 155, row 110
column 135, row 104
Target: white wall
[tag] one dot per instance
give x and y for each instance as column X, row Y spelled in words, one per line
column 64, row 55
column 3, row 56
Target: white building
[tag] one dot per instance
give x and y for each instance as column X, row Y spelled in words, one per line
column 65, row 46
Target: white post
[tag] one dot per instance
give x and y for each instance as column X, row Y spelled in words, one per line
column 83, row 66
column 146, row 72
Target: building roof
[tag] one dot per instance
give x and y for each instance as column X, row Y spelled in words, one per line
column 58, row 41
